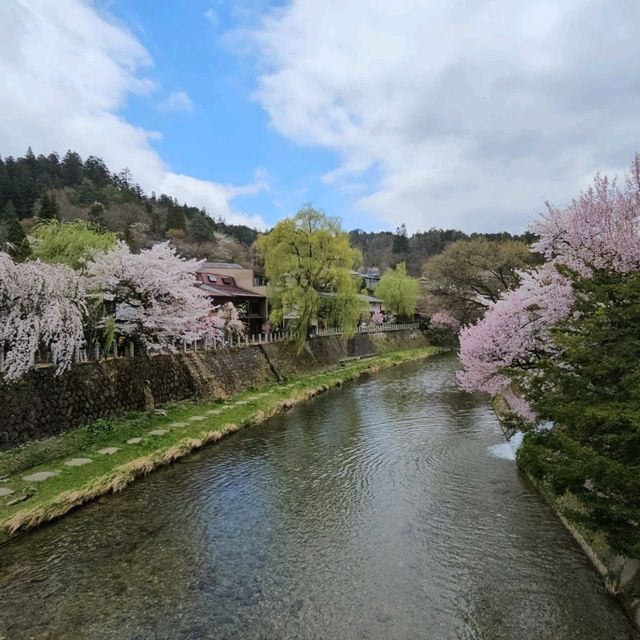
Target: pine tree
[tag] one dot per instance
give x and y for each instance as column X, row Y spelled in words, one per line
column 401, row 240
column 97, row 216
column 8, row 212
column 175, row 218
column 19, row 248
column 72, row 169
column 48, row 207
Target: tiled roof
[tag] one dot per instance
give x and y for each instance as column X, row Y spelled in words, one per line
column 222, row 290
column 208, row 266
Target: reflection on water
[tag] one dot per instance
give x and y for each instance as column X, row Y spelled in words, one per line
column 376, row 511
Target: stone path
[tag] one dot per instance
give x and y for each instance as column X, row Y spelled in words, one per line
column 78, row 462
column 108, row 451
column 40, row 476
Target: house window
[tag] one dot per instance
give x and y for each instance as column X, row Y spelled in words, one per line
column 212, row 278
column 227, row 280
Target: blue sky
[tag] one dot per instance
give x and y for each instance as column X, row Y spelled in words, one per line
column 226, row 137
column 452, row 114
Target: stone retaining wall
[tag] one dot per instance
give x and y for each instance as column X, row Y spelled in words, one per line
column 42, row 404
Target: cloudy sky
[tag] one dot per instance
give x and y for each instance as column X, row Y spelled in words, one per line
column 465, row 114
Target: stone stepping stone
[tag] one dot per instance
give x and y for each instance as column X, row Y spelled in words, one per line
column 177, row 425
column 157, row 432
column 134, row 440
column 197, row 418
column 215, row 412
column 78, row 462
column 39, row 476
column 108, row 451
column 240, row 403
column 5, row 492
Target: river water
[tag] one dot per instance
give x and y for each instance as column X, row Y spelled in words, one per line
column 377, row 511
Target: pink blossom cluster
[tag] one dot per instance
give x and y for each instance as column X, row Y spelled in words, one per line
column 377, row 317
column 40, row 305
column 444, row 320
column 218, row 325
column 598, row 230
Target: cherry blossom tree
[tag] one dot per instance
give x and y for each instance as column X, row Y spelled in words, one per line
column 444, row 320
column 40, row 305
column 598, row 230
column 216, row 326
column 377, row 317
column 151, row 295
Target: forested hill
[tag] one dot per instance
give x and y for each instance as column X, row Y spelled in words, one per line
column 68, row 188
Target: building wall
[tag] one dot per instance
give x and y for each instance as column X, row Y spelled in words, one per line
column 43, row 404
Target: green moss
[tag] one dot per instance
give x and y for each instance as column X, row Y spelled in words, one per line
column 107, row 473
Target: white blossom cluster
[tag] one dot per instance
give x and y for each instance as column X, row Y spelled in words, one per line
column 150, row 296
column 40, row 304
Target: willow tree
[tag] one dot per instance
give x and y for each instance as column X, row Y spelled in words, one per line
column 305, row 256
column 399, row 291
column 71, row 243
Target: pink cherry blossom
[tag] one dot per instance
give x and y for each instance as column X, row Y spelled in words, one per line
column 444, row 320
column 598, row 230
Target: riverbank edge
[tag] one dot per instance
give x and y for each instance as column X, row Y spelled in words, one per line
column 122, row 475
column 620, row 574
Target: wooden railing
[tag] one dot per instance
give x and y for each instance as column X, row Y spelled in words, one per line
column 130, row 350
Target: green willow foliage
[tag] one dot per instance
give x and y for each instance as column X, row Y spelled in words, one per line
column 70, row 243
column 590, row 389
column 399, row 291
column 304, row 256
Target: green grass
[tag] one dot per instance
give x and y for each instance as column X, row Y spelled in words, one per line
column 55, row 496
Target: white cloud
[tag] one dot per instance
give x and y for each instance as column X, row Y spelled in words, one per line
column 65, row 73
column 469, row 113
column 212, row 16
column 177, row 101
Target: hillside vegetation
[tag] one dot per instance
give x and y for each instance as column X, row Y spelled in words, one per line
column 70, row 188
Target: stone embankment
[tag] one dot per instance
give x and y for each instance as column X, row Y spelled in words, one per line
column 43, row 404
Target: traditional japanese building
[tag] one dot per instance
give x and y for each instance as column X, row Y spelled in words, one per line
column 230, row 282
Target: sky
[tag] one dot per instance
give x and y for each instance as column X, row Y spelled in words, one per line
column 465, row 114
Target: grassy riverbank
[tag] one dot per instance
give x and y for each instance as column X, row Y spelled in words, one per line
column 43, row 480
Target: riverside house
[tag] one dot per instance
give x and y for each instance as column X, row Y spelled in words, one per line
column 230, row 282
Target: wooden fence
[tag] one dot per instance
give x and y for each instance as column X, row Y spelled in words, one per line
column 129, row 349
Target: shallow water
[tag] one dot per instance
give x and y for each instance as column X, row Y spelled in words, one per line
column 376, row 511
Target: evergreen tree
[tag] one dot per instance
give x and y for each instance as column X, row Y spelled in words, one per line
column 201, row 228
column 8, row 211
column 48, row 207
column 401, row 240
column 175, row 218
column 96, row 170
column 72, row 169
column 86, row 193
column 97, row 215
column 19, row 248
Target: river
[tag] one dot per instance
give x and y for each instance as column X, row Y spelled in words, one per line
column 376, row 511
